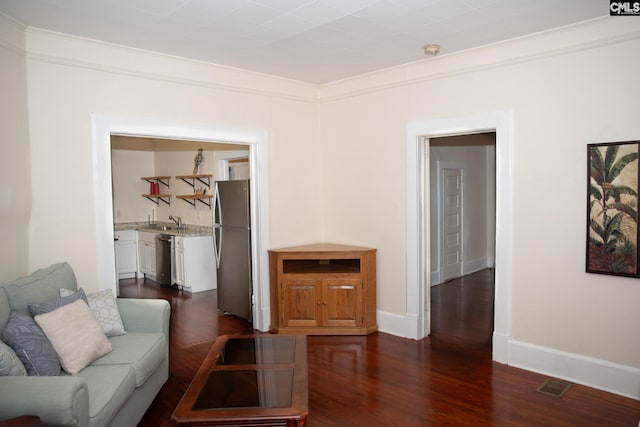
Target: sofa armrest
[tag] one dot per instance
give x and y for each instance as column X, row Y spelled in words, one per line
column 60, row 401
column 145, row 315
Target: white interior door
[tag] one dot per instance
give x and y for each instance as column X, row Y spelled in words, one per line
column 451, row 223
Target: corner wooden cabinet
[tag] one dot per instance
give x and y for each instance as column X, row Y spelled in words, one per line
column 323, row 289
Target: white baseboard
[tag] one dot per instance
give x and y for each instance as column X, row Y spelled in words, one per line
column 395, row 324
column 471, row 266
column 468, row 267
column 601, row 374
column 500, row 348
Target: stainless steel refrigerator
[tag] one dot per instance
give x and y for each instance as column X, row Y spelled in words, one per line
column 232, row 243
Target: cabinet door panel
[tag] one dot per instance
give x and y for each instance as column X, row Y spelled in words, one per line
column 343, row 303
column 151, row 259
column 143, row 263
column 179, row 267
column 301, row 302
column 127, row 257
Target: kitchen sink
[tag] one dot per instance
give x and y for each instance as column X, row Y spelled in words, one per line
column 161, row 227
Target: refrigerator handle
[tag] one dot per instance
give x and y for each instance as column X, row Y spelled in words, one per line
column 217, row 211
column 217, row 244
column 217, row 232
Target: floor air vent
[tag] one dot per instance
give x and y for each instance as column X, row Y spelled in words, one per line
column 555, row 388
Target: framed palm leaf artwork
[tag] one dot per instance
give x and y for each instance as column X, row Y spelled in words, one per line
column 612, row 208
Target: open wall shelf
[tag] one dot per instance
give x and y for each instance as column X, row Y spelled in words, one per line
column 164, row 180
column 193, row 198
column 191, row 180
column 205, row 179
column 157, row 198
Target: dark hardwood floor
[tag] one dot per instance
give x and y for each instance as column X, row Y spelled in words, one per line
column 447, row 379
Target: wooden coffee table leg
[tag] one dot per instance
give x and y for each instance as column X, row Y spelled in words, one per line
column 23, row 421
column 302, row 422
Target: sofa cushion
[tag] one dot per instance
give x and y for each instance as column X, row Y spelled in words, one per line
column 75, row 335
column 144, row 351
column 31, row 345
column 10, row 364
column 110, row 387
column 40, row 286
column 104, row 307
column 46, row 307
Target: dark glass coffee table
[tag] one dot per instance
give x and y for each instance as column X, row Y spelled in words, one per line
column 249, row 380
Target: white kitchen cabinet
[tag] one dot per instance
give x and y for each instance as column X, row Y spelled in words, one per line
column 147, row 254
column 127, row 260
column 194, row 263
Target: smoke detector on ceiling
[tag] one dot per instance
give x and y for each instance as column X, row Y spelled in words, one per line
column 432, row 49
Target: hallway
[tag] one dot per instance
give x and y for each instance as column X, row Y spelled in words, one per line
column 462, row 311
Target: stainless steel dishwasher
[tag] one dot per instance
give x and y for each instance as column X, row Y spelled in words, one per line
column 163, row 259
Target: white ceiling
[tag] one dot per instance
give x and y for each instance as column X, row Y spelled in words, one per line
column 315, row 41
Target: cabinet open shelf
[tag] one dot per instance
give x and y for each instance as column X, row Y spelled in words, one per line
column 309, row 266
column 205, row 179
column 193, row 198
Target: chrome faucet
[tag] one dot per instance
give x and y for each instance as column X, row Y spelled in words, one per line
column 177, row 220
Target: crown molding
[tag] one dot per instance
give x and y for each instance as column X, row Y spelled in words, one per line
column 592, row 34
column 12, row 35
column 64, row 49
column 68, row 50
column 76, row 63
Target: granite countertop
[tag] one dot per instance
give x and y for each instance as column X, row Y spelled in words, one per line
column 186, row 231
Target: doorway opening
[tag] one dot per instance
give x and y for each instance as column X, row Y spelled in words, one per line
column 135, row 162
column 462, row 238
column 255, row 139
column 462, row 204
column 418, row 135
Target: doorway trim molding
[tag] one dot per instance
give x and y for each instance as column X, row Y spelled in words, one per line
column 418, row 316
column 222, row 159
column 103, row 126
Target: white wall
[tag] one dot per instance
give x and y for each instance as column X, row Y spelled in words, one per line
column 70, row 79
column 566, row 89
column 127, row 167
column 363, row 188
column 15, row 168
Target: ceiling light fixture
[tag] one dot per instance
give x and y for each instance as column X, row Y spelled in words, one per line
column 432, row 49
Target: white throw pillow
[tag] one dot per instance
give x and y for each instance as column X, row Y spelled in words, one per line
column 10, row 364
column 104, row 307
column 75, row 335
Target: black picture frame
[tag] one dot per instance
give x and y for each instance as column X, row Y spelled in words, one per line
column 613, row 179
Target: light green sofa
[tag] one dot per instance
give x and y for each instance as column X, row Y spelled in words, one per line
column 116, row 389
